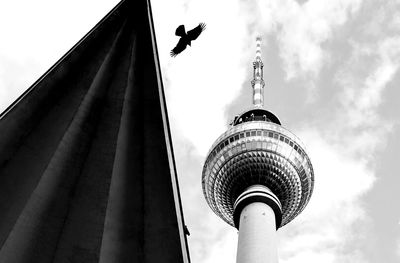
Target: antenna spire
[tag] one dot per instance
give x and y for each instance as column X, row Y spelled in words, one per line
column 258, row 82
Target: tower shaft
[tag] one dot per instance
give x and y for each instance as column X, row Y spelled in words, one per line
column 258, row 208
column 257, row 235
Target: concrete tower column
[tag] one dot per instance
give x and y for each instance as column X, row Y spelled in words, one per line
column 254, row 155
column 259, row 211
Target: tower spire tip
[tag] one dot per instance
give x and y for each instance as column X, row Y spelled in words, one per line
column 258, row 82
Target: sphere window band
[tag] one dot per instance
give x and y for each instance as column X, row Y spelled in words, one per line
column 252, row 134
column 256, row 133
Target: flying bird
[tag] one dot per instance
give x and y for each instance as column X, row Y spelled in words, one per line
column 186, row 38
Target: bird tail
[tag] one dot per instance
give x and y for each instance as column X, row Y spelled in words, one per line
column 180, row 31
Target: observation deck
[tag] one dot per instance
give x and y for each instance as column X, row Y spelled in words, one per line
column 257, row 150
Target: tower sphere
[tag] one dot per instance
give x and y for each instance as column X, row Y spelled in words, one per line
column 257, row 150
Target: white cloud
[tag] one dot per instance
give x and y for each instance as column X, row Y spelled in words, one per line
column 343, row 153
column 397, row 249
column 216, row 243
column 302, row 30
column 362, row 96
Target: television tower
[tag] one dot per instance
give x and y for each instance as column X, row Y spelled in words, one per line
column 257, row 176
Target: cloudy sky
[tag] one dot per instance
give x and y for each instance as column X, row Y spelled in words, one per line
column 332, row 75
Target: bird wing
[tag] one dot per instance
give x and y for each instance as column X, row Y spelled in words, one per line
column 195, row 32
column 179, row 47
column 180, row 31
